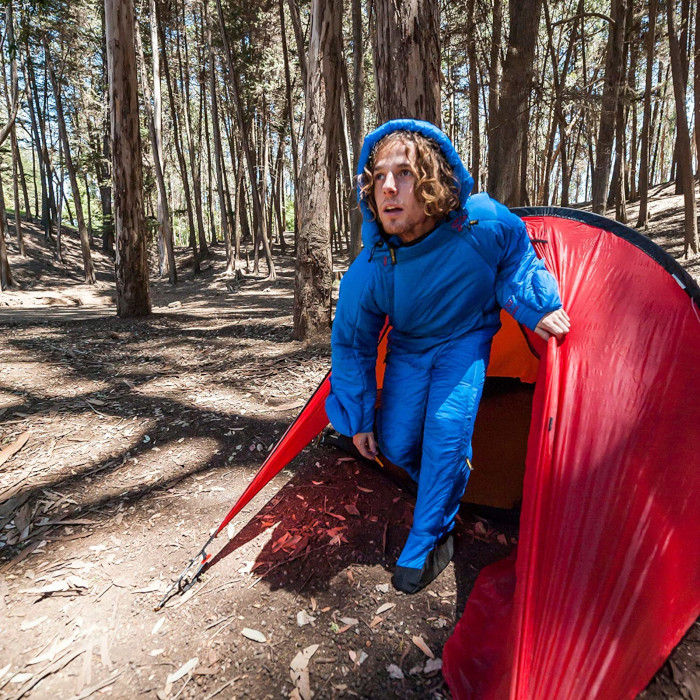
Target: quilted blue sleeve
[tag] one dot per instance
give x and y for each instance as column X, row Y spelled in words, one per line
column 356, row 328
column 524, row 287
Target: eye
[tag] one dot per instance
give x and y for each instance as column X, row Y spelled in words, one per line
column 406, row 173
column 378, row 177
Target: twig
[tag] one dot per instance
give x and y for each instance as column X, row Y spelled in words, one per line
column 98, row 686
column 224, row 686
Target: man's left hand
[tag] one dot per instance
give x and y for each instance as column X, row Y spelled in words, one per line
column 555, row 323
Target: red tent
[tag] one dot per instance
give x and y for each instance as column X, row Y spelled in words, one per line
column 607, row 574
column 606, row 578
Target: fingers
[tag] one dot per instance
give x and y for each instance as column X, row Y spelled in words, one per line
column 556, row 323
column 366, row 445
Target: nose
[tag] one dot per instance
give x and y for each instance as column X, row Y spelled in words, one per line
column 389, row 183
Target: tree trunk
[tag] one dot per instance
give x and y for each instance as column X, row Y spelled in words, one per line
column 643, row 218
column 6, row 279
column 357, row 122
column 218, row 152
column 178, row 144
column 474, row 94
column 407, row 59
column 611, row 92
column 685, row 164
column 506, row 130
column 133, row 296
column 103, row 164
column 696, row 84
column 495, row 54
column 314, row 279
column 258, row 217
column 299, row 36
column 163, row 208
column 88, row 268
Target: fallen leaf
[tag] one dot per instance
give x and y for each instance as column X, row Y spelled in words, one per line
column 395, row 672
column 182, row 671
column 21, row 677
column 158, row 625
column 385, row 607
column 383, row 588
column 418, row 641
column 4, row 670
column 156, row 652
column 28, row 625
column 352, row 621
column 352, row 510
column 301, row 660
column 364, row 490
column 303, row 618
column 357, row 657
column 375, row 621
column 253, row 635
column 432, row 665
column 12, row 449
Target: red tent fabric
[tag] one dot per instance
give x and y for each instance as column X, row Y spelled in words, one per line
column 607, row 574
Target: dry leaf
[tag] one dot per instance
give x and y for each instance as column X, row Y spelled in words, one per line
column 156, row 652
column 28, row 625
column 303, row 618
column 383, row 588
column 253, row 635
column 182, row 671
column 21, row 677
column 301, row 660
column 432, row 665
column 352, row 510
column 395, row 672
column 418, row 641
column 158, row 625
column 385, row 607
column 357, row 657
column 13, row 448
column 375, row 621
column 352, row 621
column 364, row 490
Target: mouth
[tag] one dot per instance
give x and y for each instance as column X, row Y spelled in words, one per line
column 392, row 209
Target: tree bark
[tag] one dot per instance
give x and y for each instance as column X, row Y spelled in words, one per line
column 154, row 129
column 611, row 92
column 313, row 279
column 643, row 218
column 685, row 164
column 357, row 122
column 218, row 151
column 474, row 93
column 88, row 267
column 407, row 59
column 507, row 126
column 133, row 295
column 6, row 279
column 258, row 217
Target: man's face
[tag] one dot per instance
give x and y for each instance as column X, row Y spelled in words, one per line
column 399, row 211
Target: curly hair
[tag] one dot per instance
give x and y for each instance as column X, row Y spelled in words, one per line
column 436, row 186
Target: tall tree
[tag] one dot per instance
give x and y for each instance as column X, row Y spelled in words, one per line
column 313, row 280
column 612, row 81
column 685, row 163
column 357, row 120
column 133, row 294
column 406, row 45
column 88, row 267
column 508, row 126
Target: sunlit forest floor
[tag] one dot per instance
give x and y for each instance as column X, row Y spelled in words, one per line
column 124, row 443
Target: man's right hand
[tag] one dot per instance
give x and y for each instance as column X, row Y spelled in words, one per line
column 366, row 445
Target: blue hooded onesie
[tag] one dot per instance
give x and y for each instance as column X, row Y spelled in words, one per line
column 443, row 295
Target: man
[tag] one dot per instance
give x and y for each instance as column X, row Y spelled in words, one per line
column 440, row 264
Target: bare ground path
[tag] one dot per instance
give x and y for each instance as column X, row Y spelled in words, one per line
column 127, row 442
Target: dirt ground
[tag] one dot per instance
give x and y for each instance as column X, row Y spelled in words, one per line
column 128, row 441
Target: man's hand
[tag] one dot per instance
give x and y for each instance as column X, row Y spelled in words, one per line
column 556, row 323
column 366, row 445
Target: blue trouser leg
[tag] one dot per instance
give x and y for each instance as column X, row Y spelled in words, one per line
column 438, row 402
column 401, row 415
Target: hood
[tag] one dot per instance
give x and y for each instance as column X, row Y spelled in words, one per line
column 370, row 228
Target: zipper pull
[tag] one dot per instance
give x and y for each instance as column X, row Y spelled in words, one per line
column 392, row 252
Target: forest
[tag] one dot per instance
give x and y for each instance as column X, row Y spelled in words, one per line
column 242, row 122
